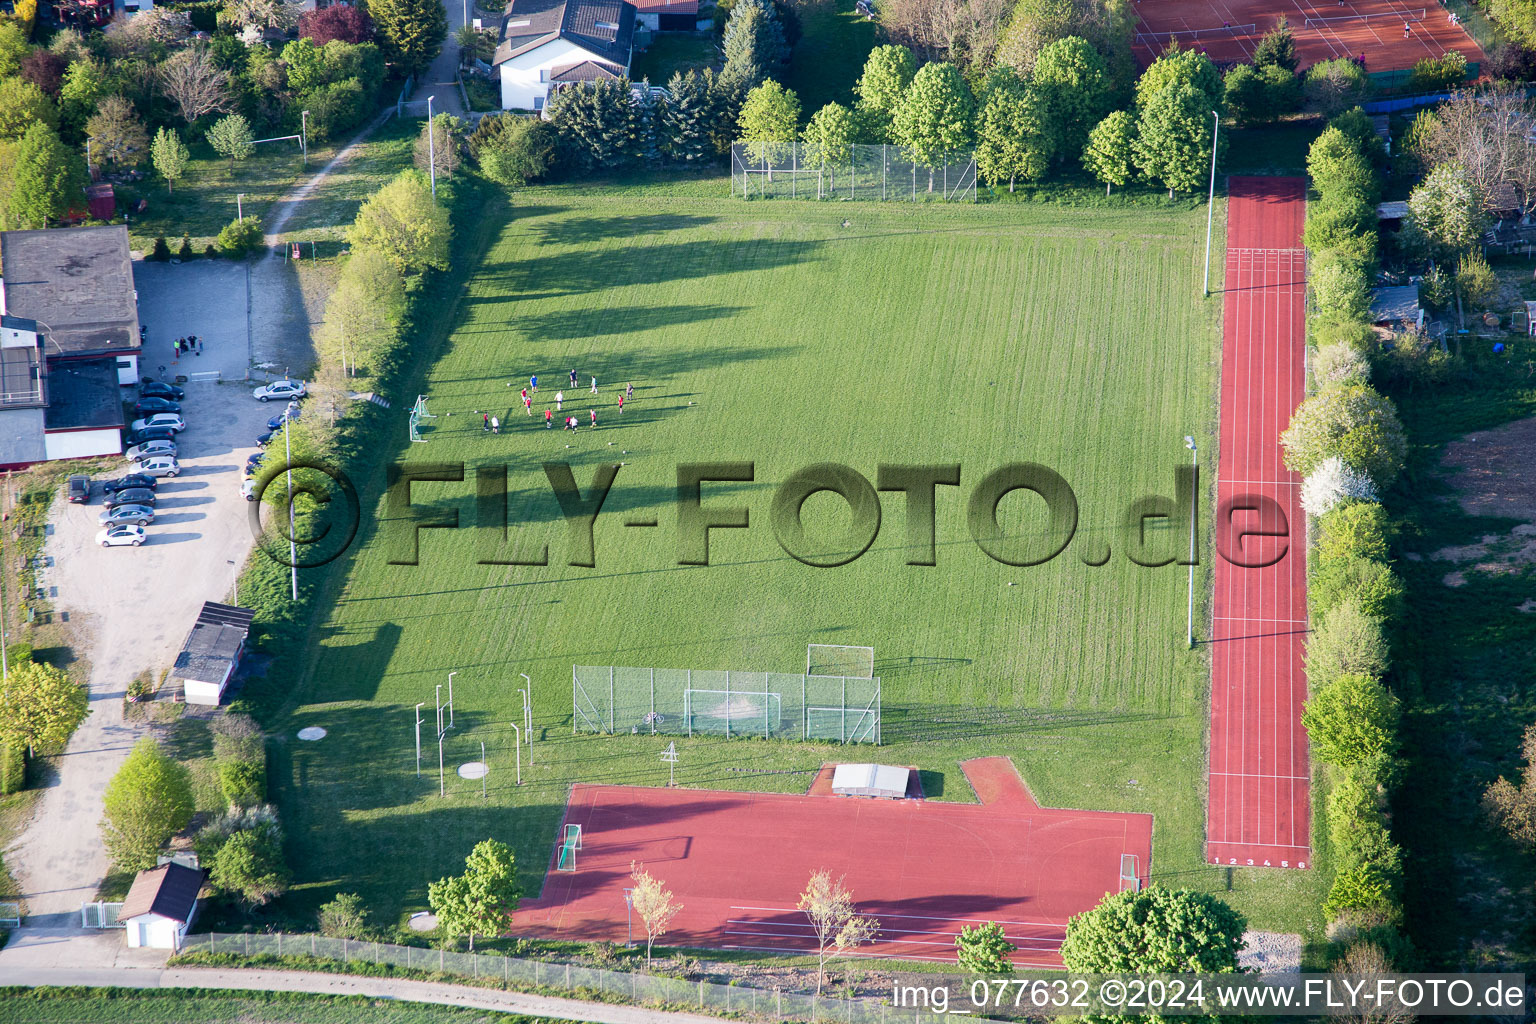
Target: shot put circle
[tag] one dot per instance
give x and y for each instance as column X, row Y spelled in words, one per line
column 474, row 770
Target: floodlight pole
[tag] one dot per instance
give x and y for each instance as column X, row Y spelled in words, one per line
column 1194, row 498
column 486, row 767
column 418, row 737
column 517, row 745
column 528, row 714
column 450, row 697
column 431, row 147
column 1210, row 209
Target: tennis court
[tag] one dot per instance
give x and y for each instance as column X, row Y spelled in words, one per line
column 738, row 861
column 1229, row 30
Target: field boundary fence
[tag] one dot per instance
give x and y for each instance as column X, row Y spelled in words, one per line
column 798, row 170
column 631, row 986
column 724, row 702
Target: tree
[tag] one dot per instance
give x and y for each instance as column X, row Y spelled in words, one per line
column 1074, row 85
column 828, row 905
column 686, row 119
column 1189, row 67
column 1107, row 24
column 654, row 904
column 148, row 801
column 282, row 15
column 1334, row 481
column 829, row 139
column 39, row 706
column 238, row 237
column 1110, row 148
column 1338, row 287
column 514, row 150
column 1155, row 930
column 1012, row 138
column 244, row 783
column 887, row 74
column 960, row 31
column 14, row 46
column 410, row 32
column 348, row 24
column 770, row 116
column 754, row 42
column 1333, row 86
column 1277, row 48
column 48, row 178
column 1448, row 208
column 1486, row 134
column 345, row 916
column 597, row 124
column 1352, row 721
column 250, row 865
column 1260, row 93
column 1352, row 422
column 1361, row 969
column 403, row 222
column 1512, row 807
column 482, row 899
column 44, row 69
column 1173, row 138
column 170, row 157
column 1347, row 640
column 935, row 116
column 23, row 105
column 1517, row 18
column 1353, row 529
column 117, row 135
column 195, row 83
column 984, row 950
column 231, row 137
column 1340, row 169
column 444, row 148
column 1475, row 280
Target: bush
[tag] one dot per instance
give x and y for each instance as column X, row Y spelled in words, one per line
column 239, row 237
column 1355, row 530
column 1340, row 363
column 13, row 769
column 513, row 150
column 1364, row 887
column 160, row 252
column 1352, row 422
column 345, row 917
column 1338, row 286
column 250, row 865
column 237, row 737
column 1352, row 721
column 185, row 250
column 1371, row 582
column 1436, row 74
column 1513, row 807
column 1333, row 86
column 1333, row 482
column 1413, row 358
column 244, row 782
column 1347, row 641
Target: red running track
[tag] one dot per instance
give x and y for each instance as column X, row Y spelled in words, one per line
column 738, row 861
column 1259, row 810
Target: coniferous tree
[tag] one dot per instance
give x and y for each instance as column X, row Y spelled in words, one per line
column 598, row 125
column 684, row 121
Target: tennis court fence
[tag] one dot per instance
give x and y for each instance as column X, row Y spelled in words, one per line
column 799, row 170
column 512, row 972
column 1345, row 20
column 693, row 702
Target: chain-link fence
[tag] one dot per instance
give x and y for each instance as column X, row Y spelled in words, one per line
column 631, row 986
column 692, row 702
column 797, row 170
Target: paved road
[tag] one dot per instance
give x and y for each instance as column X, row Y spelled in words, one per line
column 440, row 79
column 333, row 984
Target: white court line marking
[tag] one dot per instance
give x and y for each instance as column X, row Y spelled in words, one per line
column 922, row 917
column 1250, row 618
column 1259, row 775
column 1260, row 483
column 884, row 956
column 903, row 931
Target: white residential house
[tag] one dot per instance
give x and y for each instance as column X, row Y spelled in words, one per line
column 161, row 905
column 548, row 43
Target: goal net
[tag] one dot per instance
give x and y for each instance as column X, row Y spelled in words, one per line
column 419, row 413
column 732, row 711
column 840, row 660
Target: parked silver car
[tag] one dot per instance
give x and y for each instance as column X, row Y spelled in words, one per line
column 140, row 515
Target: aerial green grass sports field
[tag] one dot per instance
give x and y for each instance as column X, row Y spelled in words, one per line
column 782, row 334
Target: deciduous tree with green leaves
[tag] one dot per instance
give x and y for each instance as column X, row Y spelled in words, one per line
column 23, row 105
column 935, row 116
column 1352, row 721
column 402, row 222
column 654, row 903
column 1013, row 140
column 829, row 138
column 1353, row 422
column 1155, row 930
column 984, row 950
column 250, row 865
column 887, row 74
column 769, row 119
column 482, row 899
column 1074, row 85
column 48, row 178
column 39, row 705
column 1109, row 153
column 839, row 928
column 148, row 801
column 170, row 157
column 1174, row 133
column 231, row 138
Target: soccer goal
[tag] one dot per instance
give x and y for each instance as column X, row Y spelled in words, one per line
column 1130, row 881
column 419, row 413
column 840, row 660
column 570, row 842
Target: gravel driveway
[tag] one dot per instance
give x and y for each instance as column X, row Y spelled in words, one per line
column 138, row 603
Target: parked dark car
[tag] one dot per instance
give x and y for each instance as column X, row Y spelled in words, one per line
column 253, row 463
column 131, row 480
column 262, row 440
column 145, row 406
column 151, row 434
column 160, row 389
column 290, row 413
column 79, row 490
column 132, row 496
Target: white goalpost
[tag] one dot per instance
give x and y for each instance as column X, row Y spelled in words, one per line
column 840, row 660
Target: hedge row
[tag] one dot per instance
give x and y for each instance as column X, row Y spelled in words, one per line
column 13, row 769
column 1348, row 441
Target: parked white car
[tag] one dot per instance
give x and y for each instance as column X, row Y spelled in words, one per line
column 151, row 449
column 160, row 419
column 248, row 488
column 121, row 536
column 280, row 389
column 160, row 465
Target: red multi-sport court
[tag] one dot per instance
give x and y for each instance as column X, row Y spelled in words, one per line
column 1370, row 27
column 738, row 861
column 1258, row 809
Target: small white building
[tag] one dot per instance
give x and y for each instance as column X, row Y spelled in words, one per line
column 161, row 905
column 874, row 780
column 548, row 43
column 212, row 652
